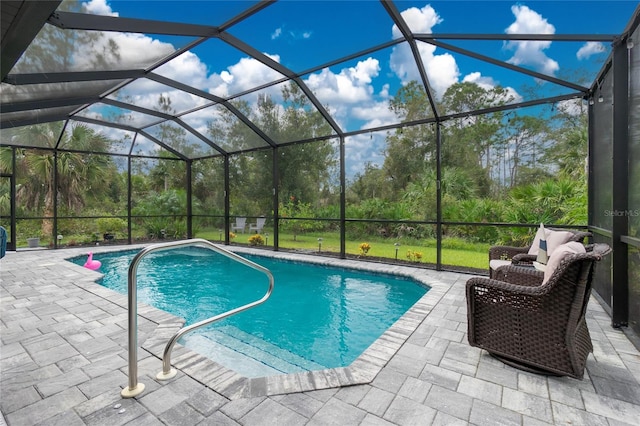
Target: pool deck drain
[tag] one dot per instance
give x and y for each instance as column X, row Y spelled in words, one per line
column 63, row 360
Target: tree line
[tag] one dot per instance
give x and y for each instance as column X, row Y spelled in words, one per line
column 498, row 167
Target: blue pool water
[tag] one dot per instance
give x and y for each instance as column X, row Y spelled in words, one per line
column 317, row 317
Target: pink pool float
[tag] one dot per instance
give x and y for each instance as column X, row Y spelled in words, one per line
column 92, row 264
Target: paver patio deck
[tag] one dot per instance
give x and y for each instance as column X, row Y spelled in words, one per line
column 63, row 360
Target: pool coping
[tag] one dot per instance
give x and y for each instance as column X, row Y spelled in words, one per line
column 233, row 385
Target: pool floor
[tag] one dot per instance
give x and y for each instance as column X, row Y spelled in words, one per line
column 298, row 329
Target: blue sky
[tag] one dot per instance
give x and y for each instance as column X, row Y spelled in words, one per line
column 305, row 34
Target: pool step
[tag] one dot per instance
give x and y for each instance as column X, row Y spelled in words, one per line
column 271, row 349
column 242, row 364
column 249, row 355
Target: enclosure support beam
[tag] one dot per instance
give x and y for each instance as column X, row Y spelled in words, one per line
column 189, row 200
column 55, row 198
column 343, row 208
column 591, row 135
column 438, row 197
column 620, row 190
column 226, row 200
column 276, row 198
column 55, row 186
column 11, row 175
column 129, row 191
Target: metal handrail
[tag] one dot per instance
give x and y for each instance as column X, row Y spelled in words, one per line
column 136, row 388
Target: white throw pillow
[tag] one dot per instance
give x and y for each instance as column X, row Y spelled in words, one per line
column 562, row 251
column 540, row 235
column 555, row 239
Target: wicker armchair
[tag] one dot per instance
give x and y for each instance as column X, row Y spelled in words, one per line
column 519, row 255
column 533, row 326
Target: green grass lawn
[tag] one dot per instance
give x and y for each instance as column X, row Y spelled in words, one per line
column 455, row 252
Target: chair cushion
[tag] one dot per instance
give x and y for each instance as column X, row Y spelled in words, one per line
column 496, row 263
column 562, row 251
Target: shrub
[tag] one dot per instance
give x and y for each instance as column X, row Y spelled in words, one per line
column 364, row 248
column 293, row 209
column 156, row 227
column 256, row 240
column 414, row 256
column 111, row 225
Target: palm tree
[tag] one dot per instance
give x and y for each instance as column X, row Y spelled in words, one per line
column 6, row 166
column 5, row 200
column 78, row 172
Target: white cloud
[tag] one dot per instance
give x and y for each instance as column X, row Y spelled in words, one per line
column 374, row 114
column 574, row 107
column 199, row 119
column 187, row 67
column 145, row 145
column 419, row 20
column 119, row 50
column 362, row 149
column 146, row 94
column 589, row 49
column 246, row 74
column 348, row 92
column 139, row 51
column 442, row 70
column 98, row 7
column 133, row 51
column 299, row 34
column 290, row 35
column 384, row 93
column 342, row 91
column 488, row 83
column 529, row 52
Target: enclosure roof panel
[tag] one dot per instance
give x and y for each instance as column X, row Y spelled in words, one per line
column 221, row 77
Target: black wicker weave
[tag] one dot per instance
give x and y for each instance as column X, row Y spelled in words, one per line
column 519, row 255
column 531, row 326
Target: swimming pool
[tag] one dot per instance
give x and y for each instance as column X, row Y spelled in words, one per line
column 318, row 317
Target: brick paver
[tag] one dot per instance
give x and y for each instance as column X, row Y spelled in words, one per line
column 63, row 360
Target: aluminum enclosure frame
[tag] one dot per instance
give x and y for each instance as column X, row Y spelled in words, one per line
column 16, row 40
